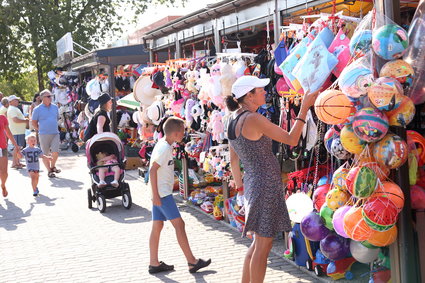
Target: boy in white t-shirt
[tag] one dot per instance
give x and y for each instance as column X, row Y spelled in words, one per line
column 161, row 180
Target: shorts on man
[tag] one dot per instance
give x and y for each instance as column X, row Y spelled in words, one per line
column 20, row 140
column 49, row 143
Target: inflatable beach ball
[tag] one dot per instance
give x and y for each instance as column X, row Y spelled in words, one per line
column 361, row 181
column 385, row 93
column 370, row 125
column 380, row 213
column 360, row 42
column 355, row 80
column 350, row 141
column 403, row 114
column 391, row 151
column 400, row 70
column 332, row 107
column 338, row 178
column 390, row 42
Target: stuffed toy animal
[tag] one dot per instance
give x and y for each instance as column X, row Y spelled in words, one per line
column 216, row 125
column 177, row 106
column 227, row 79
column 168, row 80
column 191, row 78
column 123, row 119
column 203, row 83
column 215, row 91
column 188, row 111
column 196, row 111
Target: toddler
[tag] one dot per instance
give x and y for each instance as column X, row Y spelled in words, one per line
column 31, row 154
column 106, row 159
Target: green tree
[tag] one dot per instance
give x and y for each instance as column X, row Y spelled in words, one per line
column 29, row 30
column 24, row 86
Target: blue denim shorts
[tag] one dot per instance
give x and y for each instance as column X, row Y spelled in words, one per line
column 20, row 140
column 167, row 211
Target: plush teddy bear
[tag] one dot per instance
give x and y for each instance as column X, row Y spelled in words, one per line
column 191, row 78
column 227, row 79
column 203, row 83
column 216, row 125
column 188, row 111
column 215, row 91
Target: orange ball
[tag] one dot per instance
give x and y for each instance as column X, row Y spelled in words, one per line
column 354, row 225
column 383, row 239
column 393, row 192
column 333, row 107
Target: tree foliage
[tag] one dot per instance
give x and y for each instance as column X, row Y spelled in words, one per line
column 29, row 30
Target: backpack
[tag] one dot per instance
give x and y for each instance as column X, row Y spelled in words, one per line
column 90, row 131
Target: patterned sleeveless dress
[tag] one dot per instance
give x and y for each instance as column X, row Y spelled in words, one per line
column 265, row 208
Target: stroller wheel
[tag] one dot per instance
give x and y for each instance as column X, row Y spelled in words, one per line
column 90, row 198
column 74, row 147
column 101, row 203
column 126, row 199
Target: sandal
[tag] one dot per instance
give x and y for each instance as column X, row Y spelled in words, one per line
column 160, row 268
column 200, row 264
column 55, row 170
column 4, row 191
column 51, row 174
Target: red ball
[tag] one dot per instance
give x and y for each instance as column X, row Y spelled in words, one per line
column 319, row 196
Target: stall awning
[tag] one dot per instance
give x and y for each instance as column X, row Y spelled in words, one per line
column 129, row 102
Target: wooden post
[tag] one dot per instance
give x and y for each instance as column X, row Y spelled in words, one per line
column 113, row 113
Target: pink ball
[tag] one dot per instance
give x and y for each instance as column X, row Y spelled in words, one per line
column 338, row 220
column 370, row 125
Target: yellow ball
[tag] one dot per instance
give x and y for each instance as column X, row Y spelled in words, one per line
column 350, row 141
column 336, row 198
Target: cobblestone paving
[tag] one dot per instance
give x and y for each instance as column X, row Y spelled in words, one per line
column 55, row 238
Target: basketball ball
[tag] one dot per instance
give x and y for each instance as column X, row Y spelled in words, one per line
column 385, row 93
column 370, row 125
column 400, row 70
column 333, row 107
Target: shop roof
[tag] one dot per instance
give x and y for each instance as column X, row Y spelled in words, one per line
column 123, row 55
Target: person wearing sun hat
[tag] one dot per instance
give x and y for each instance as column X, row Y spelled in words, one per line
column 17, row 124
column 45, row 118
column 261, row 191
column 101, row 116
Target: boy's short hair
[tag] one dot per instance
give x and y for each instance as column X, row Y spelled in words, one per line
column 32, row 135
column 173, row 124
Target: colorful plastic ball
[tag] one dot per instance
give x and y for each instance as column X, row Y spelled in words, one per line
column 403, row 114
column 338, row 220
column 391, row 151
column 338, row 150
column 313, row 227
column 335, row 247
column 361, row 42
column 385, row 93
column 363, row 254
column 330, row 134
column 400, row 70
column 383, row 239
column 338, row 178
column 391, row 191
column 381, row 172
column 368, row 245
column 324, row 180
column 370, row 125
column 355, row 80
column 350, row 141
column 390, row 42
column 354, row 225
column 361, row 181
column 332, row 107
column 298, row 205
column 336, row 198
column 319, row 196
column 326, row 213
column 380, row 213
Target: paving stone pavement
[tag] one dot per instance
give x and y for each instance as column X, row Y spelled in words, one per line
column 55, row 238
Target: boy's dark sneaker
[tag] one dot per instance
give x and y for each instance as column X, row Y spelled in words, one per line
column 200, row 264
column 36, row 192
column 160, row 268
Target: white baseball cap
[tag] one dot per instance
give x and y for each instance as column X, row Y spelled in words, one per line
column 245, row 84
column 13, row 97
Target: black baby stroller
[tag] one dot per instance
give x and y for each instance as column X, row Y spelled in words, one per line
column 111, row 144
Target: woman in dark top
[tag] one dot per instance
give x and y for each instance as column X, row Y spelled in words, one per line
column 103, row 121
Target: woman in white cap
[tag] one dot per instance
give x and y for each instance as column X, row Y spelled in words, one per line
column 250, row 136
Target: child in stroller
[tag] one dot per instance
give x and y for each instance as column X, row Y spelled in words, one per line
column 106, row 161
